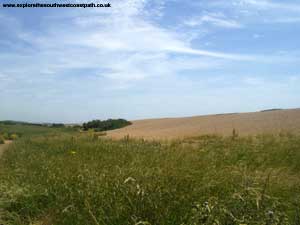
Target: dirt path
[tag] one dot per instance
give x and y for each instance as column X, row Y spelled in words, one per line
column 4, row 146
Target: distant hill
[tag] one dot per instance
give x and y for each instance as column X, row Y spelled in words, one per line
column 266, row 121
column 269, row 110
column 12, row 122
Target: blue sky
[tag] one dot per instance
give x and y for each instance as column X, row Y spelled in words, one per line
column 149, row 58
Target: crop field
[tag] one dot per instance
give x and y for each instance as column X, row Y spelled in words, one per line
column 272, row 122
column 72, row 178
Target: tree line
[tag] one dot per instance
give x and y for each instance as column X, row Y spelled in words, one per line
column 105, row 125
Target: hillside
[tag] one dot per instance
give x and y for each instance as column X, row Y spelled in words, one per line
column 269, row 121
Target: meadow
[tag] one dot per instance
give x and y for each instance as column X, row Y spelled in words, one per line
column 64, row 177
column 31, row 130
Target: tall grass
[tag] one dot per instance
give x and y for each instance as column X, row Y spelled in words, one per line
column 79, row 180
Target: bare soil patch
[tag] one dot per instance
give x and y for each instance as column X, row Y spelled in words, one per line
column 270, row 122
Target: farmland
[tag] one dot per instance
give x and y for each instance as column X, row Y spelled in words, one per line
column 150, row 112
column 269, row 121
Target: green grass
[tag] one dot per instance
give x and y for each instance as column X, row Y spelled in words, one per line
column 2, row 140
column 32, row 130
column 77, row 180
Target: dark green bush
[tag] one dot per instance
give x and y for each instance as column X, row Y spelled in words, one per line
column 2, row 140
column 57, row 125
column 105, row 125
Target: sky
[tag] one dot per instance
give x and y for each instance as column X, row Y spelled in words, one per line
column 148, row 59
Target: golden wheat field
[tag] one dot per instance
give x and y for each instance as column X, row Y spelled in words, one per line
column 270, row 122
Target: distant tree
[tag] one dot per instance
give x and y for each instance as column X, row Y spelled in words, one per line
column 105, row 125
column 57, row 125
column 270, row 110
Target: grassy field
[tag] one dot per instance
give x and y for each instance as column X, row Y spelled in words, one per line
column 31, row 131
column 66, row 178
